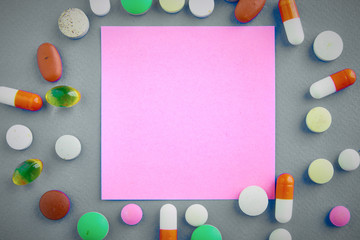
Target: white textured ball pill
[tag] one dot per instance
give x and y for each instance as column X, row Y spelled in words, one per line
column 253, row 200
column 318, row 119
column 201, row 8
column 196, row 215
column 19, row 137
column 328, row 46
column 280, row 234
column 349, row 159
column 73, row 23
column 68, row 147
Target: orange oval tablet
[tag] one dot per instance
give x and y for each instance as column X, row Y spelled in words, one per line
column 49, row 62
column 246, row 10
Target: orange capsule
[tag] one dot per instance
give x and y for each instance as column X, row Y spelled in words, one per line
column 20, row 99
column 49, row 62
column 333, row 83
column 291, row 20
column 284, row 197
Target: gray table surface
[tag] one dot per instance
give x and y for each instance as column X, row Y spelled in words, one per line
column 24, row 25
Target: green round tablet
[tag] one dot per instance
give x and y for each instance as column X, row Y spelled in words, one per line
column 136, row 7
column 206, row 232
column 93, row 226
column 318, row 119
column 321, row 171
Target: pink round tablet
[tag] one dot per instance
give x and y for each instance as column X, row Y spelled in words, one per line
column 131, row 214
column 339, row 216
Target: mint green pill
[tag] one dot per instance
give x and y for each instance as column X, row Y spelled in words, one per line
column 93, row 226
column 136, row 7
column 206, row 232
column 63, row 96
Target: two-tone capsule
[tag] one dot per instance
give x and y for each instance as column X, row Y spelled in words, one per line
column 291, row 20
column 20, row 99
column 284, row 198
column 168, row 222
column 333, row 83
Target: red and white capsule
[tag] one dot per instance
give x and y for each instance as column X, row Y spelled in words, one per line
column 284, row 198
column 168, row 222
column 20, row 99
column 333, row 83
column 291, row 20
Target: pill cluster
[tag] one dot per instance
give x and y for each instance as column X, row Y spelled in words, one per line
column 253, row 200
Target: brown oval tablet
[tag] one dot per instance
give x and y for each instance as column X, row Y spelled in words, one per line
column 246, row 10
column 54, row 204
column 49, row 62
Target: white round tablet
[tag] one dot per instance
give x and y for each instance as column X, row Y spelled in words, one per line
column 201, row 8
column 73, row 23
column 19, row 137
column 100, row 7
column 349, row 159
column 196, row 215
column 68, row 147
column 328, row 46
column 253, row 200
column 280, row 234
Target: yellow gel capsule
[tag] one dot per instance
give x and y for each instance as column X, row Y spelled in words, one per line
column 27, row 171
column 63, row 96
column 321, row 171
column 318, row 119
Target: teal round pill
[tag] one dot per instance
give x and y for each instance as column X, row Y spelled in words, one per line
column 136, row 7
column 93, row 226
column 206, row 232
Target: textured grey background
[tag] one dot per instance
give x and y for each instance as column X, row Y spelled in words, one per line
column 24, row 25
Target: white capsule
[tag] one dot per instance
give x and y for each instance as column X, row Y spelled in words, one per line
column 100, row 7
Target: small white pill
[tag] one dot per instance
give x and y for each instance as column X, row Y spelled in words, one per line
column 19, row 137
column 253, row 200
column 328, row 46
column 73, row 23
column 68, row 147
column 196, row 215
column 349, row 159
column 100, row 7
column 280, row 234
column 201, row 8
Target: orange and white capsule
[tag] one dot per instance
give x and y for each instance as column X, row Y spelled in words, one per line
column 291, row 20
column 168, row 222
column 20, row 99
column 333, row 83
column 284, row 198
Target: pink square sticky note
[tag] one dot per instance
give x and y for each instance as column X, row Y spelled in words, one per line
column 187, row 112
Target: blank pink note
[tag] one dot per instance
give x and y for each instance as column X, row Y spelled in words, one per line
column 187, row 112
